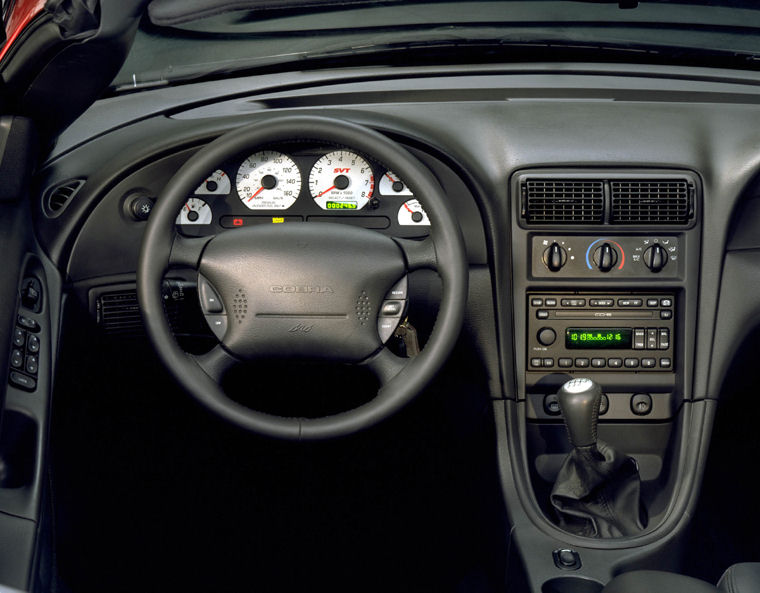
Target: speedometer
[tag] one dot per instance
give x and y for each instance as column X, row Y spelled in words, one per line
column 341, row 180
column 268, row 180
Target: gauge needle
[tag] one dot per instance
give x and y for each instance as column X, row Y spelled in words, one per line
column 408, row 208
column 327, row 190
column 261, row 189
column 389, row 177
column 188, row 207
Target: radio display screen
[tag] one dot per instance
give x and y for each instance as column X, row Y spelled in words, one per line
column 589, row 338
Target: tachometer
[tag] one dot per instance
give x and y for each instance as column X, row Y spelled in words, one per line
column 268, row 180
column 195, row 211
column 391, row 185
column 341, row 180
column 217, row 184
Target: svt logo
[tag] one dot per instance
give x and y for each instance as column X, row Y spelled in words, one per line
column 338, row 170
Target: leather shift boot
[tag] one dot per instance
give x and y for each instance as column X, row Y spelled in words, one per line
column 597, row 493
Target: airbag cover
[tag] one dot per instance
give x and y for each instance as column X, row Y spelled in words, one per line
column 302, row 290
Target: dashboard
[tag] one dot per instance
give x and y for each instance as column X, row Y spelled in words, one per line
column 644, row 293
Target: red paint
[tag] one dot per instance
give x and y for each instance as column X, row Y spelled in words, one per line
column 345, row 170
column 23, row 13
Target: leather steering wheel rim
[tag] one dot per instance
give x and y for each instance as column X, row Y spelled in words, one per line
column 448, row 258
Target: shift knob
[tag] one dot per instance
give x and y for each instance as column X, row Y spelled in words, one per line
column 579, row 401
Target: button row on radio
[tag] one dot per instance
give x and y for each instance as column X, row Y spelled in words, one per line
column 601, row 302
column 600, row 363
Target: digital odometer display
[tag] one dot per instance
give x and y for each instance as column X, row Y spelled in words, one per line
column 598, row 337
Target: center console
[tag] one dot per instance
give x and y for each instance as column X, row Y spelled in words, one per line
column 605, row 267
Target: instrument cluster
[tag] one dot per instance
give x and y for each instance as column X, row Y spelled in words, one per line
column 297, row 183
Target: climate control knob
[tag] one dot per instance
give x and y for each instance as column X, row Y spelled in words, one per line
column 655, row 258
column 555, row 257
column 605, row 257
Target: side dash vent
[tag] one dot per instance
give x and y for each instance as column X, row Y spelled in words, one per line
column 119, row 313
column 661, row 201
column 60, row 196
column 563, row 201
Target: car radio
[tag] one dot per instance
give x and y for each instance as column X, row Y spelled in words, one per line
column 621, row 332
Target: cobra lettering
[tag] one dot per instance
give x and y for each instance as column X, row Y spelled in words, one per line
column 300, row 289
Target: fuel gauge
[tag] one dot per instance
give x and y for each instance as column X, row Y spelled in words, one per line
column 412, row 214
column 195, row 211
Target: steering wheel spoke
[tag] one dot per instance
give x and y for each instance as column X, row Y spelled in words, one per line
column 418, row 254
column 385, row 365
column 216, row 362
column 186, row 251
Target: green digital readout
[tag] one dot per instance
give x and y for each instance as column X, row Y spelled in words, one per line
column 598, row 337
column 340, row 206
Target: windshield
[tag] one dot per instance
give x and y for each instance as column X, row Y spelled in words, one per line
column 289, row 34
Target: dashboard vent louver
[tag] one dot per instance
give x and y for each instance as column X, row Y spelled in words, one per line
column 661, row 201
column 60, row 196
column 118, row 313
column 563, row 201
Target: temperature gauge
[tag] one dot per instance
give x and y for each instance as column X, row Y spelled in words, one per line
column 195, row 211
column 411, row 214
column 391, row 185
column 218, row 183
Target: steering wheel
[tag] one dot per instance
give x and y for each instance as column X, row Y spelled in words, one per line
column 303, row 290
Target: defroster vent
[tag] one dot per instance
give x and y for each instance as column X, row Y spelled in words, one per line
column 563, row 201
column 661, row 201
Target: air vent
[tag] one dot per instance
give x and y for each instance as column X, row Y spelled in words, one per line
column 118, row 312
column 563, row 201
column 60, row 196
column 662, row 201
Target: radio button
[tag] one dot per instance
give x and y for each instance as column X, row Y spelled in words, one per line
column 551, row 302
column 631, row 363
column 542, row 314
column 665, row 363
column 535, row 302
column 573, row 302
column 630, row 302
column 535, row 362
column 664, row 339
column 581, row 363
column 639, row 338
column 565, row 363
column 546, row 336
column 614, row 363
column 648, row 363
column 666, row 314
column 651, row 339
column 548, row 363
column 652, row 302
column 666, row 302
column 601, row 302
column 598, row 363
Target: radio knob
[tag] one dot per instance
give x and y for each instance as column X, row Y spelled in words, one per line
column 546, row 336
column 555, row 257
column 605, row 257
column 655, row 258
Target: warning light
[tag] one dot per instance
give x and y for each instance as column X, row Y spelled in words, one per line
column 278, row 220
column 237, row 222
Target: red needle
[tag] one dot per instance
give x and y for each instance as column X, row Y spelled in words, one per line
column 327, row 190
column 389, row 177
column 261, row 189
column 188, row 207
column 408, row 208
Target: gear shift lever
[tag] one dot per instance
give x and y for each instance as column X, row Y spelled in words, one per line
column 597, row 491
column 579, row 401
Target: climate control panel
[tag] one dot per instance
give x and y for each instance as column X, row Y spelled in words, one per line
column 628, row 256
